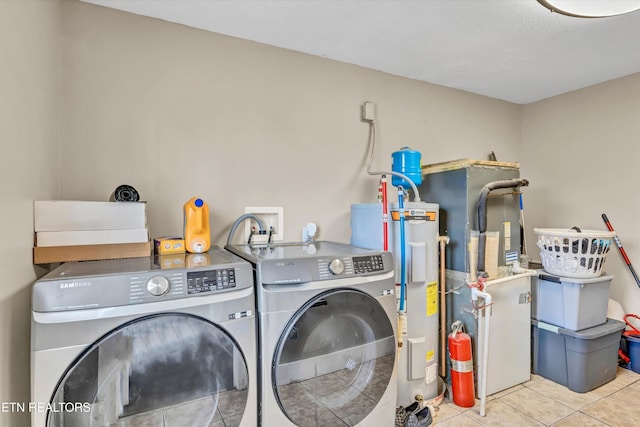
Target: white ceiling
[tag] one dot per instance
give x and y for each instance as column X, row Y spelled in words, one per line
column 514, row 50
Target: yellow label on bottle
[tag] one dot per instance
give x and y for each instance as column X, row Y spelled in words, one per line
column 432, row 298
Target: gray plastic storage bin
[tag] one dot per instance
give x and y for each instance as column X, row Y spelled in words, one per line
column 570, row 303
column 580, row 360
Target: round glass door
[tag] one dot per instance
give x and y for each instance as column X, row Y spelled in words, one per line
column 166, row 369
column 334, row 360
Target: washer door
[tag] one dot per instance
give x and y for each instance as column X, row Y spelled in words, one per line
column 334, row 361
column 154, row 371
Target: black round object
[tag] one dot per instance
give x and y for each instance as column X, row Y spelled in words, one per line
column 125, row 193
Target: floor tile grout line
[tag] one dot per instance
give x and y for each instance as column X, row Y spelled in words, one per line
column 528, row 384
column 596, row 418
column 526, row 415
column 535, row 419
column 599, row 398
column 579, row 409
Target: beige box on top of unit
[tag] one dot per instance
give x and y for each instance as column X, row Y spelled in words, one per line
column 74, row 215
column 48, row 255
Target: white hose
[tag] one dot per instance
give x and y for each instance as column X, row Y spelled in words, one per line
column 416, row 195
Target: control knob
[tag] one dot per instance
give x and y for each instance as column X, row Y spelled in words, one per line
column 336, row 266
column 158, row 285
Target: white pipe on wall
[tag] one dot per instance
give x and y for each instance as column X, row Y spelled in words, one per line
column 483, row 364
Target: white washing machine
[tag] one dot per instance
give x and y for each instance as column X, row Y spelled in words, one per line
column 327, row 334
column 128, row 343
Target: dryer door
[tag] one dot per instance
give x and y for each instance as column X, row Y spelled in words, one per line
column 154, row 371
column 334, row 360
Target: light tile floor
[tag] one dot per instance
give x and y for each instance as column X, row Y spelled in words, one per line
column 337, row 399
column 538, row 402
column 222, row 410
column 542, row 402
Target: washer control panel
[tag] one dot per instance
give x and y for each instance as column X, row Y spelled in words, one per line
column 210, row 280
column 149, row 287
column 368, row 264
column 331, row 268
column 127, row 281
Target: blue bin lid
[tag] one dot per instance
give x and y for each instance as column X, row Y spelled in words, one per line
column 634, row 338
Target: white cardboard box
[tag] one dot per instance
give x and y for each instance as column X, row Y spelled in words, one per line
column 71, row 215
column 90, row 237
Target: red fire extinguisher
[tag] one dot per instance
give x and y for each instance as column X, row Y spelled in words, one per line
column 461, row 366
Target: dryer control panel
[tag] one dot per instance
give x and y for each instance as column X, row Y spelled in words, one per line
column 210, row 280
column 304, row 270
column 368, row 264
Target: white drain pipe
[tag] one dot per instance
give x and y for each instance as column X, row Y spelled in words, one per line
column 483, row 365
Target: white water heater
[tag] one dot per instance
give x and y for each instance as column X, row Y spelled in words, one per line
column 418, row 355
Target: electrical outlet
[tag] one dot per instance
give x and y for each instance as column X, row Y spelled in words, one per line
column 270, row 217
column 368, row 111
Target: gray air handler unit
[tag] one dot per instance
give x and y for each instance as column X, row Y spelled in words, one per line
column 480, row 213
column 418, row 328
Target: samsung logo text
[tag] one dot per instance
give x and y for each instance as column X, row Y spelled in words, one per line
column 72, row 285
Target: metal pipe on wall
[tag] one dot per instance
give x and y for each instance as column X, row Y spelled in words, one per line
column 443, row 241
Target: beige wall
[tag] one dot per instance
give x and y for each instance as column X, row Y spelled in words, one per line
column 29, row 98
column 581, row 152
column 178, row 112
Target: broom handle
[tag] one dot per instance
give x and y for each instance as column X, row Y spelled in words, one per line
column 622, row 251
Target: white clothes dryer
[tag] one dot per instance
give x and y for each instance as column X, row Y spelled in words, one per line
column 128, row 343
column 327, row 334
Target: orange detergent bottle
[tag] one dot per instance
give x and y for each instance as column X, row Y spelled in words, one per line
column 197, row 234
